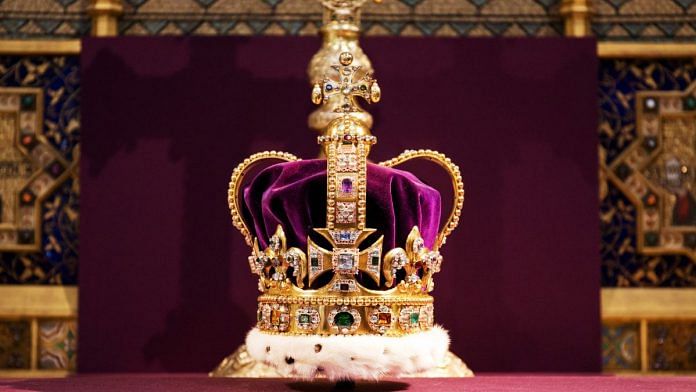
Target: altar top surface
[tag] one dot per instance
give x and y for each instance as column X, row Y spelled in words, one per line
column 497, row 382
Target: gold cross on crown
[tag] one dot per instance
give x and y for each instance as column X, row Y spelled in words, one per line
column 350, row 83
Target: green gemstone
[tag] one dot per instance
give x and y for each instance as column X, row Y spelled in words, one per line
column 314, row 262
column 652, row 239
column 344, row 319
column 304, row 318
column 375, row 260
column 414, row 318
column 690, row 102
column 27, row 102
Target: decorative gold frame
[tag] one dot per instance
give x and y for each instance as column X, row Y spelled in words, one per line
column 642, row 50
column 69, row 171
column 628, row 155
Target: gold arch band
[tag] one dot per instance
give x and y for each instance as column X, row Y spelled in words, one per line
column 236, row 180
column 457, row 185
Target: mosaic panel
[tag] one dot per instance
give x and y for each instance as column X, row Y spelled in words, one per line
column 672, row 345
column 621, row 346
column 55, row 261
column 624, row 261
column 303, row 17
column 58, row 344
column 30, row 168
column 648, row 20
column 15, row 345
column 38, row 18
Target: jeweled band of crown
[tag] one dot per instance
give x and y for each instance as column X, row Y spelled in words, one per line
column 294, row 299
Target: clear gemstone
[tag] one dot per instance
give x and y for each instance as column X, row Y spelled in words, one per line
column 418, row 245
column 274, row 242
column 345, row 261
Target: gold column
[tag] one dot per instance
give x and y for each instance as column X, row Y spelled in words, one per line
column 576, row 15
column 105, row 15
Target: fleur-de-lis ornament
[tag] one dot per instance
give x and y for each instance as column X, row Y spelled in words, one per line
column 272, row 263
column 418, row 262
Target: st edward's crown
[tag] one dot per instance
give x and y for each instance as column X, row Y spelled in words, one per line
column 340, row 277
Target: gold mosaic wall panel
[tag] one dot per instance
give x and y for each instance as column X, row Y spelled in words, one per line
column 40, row 18
column 68, row 18
column 644, row 20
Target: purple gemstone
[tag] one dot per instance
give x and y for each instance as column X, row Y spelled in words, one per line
column 347, row 185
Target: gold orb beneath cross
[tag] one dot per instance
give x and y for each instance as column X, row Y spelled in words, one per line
column 345, row 58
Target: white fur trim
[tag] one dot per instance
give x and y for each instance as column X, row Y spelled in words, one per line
column 356, row 357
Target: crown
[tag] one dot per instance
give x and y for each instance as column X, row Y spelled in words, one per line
column 291, row 301
column 346, row 275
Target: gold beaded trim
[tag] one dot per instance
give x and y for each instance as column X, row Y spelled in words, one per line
column 457, row 184
column 357, row 300
column 235, row 186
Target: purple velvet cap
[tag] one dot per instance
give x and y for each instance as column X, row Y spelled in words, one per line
column 293, row 194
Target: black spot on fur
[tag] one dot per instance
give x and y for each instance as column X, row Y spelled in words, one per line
column 268, row 349
column 289, row 360
column 317, row 348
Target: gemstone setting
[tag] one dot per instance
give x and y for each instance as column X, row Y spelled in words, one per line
column 344, row 237
column 344, row 320
column 345, row 261
column 307, row 318
column 273, row 317
column 409, row 318
column 380, row 319
column 345, row 212
column 344, row 286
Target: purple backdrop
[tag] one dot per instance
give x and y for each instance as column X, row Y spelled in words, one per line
column 164, row 283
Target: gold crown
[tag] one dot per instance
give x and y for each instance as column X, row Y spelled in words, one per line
column 291, row 303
